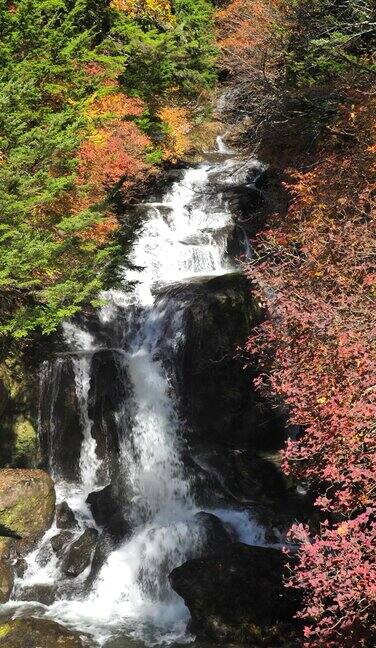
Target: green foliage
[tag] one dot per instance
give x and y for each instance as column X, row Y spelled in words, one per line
column 181, row 56
column 329, row 39
column 48, row 51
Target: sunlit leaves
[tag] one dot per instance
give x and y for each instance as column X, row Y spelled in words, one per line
column 156, row 9
column 317, row 353
column 177, row 127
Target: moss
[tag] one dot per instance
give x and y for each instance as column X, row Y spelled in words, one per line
column 5, row 629
column 13, row 517
column 17, row 516
column 5, row 547
column 27, row 503
column 19, row 444
column 25, row 442
column 13, row 378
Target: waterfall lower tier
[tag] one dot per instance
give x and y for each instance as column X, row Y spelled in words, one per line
column 118, row 426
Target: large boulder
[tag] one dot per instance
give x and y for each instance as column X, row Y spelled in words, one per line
column 104, row 504
column 65, row 518
column 37, row 633
column 215, row 390
column 236, row 595
column 27, row 504
column 79, row 553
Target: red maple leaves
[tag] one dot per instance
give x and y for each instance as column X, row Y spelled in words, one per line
column 316, row 352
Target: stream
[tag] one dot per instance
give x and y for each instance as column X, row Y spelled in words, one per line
column 136, row 441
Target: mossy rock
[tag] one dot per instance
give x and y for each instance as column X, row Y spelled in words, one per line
column 37, row 633
column 19, row 443
column 25, row 442
column 6, row 580
column 14, row 379
column 27, row 504
column 6, row 569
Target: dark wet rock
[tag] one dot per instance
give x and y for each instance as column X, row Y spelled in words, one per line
column 109, row 393
column 103, row 504
column 236, row 595
column 27, row 504
column 60, row 541
column 103, row 549
column 217, row 536
column 45, row 594
column 118, row 527
column 244, row 475
column 61, row 430
column 65, row 518
column 20, row 567
column 207, row 487
column 78, row 555
column 37, row 633
column 44, row 555
column 277, row 517
column 216, row 392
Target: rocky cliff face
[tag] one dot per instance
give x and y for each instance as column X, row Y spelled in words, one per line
column 18, row 415
column 218, row 399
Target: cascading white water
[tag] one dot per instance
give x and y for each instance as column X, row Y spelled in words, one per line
column 84, row 343
column 183, row 237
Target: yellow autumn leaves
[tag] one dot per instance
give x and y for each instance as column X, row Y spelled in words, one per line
column 159, row 10
column 178, row 126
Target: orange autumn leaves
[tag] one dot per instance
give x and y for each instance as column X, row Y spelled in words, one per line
column 247, row 34
column 112, row 156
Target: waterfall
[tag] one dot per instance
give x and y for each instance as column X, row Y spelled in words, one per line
column 85, row 344
column 184, row 238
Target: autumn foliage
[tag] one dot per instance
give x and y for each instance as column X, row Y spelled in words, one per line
column 299, row 89
column 93, row 101
column 177, row 127
column 316, row 276
column 114, row 153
